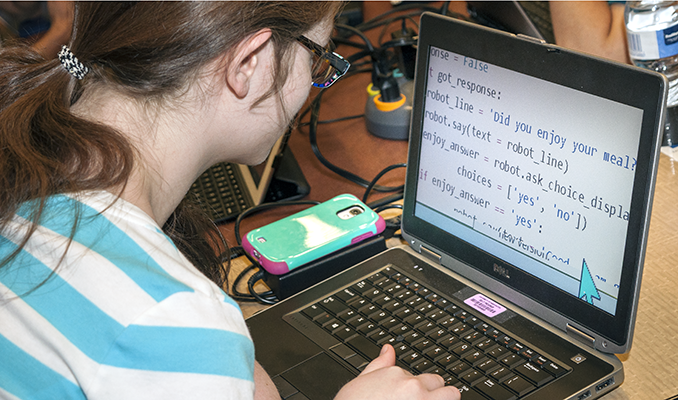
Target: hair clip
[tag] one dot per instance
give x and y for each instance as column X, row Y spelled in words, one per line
column 71, row 63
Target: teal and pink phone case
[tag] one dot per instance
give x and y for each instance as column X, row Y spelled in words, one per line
column 310, row 234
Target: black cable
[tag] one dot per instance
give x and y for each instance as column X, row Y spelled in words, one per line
column 233, row 252
column 312, row 124
column 350, row 117
column 252, row 296
column 385, row 200
column 378, row 20
column 382, row 20
column 374, row 181
column 398, row 43
column 377, row 56
column 331, row 121
column 314, row 109
column 355, row 57
column 444, row 10
column 362, row 64
column 313, row 129
column 388, row 207
column 235, row 293
column 238, row 251
column 385, row 28
column 259, row 275
column 342, row 40
column 360, row 34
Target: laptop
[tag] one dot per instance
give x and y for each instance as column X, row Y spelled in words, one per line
column 532, row 18
column 227, row 189
column 529, row 186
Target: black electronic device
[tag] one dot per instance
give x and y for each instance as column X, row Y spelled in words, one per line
column 226, row 189
column 293, row 282
column 531, row 18
column 527, row 204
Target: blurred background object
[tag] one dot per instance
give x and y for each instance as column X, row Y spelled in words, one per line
column 44, row 25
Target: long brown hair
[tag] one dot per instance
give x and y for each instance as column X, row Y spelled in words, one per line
column 148, row 51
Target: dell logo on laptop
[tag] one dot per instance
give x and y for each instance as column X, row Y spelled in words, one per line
column 503, row 271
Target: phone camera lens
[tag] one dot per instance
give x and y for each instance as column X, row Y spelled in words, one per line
column 350, row 212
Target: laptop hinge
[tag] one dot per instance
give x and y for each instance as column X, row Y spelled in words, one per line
column 430, row 254
column 531, row 38
column 581, row 336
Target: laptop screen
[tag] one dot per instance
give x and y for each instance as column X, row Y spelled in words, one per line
column 534, row 166
column 535, row 173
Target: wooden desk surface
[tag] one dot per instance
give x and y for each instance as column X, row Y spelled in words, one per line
column 650, row 367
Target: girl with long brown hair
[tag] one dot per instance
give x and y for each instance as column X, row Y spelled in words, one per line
column 109, row 283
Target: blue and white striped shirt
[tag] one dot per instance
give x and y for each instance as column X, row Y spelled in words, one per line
column 124, row 316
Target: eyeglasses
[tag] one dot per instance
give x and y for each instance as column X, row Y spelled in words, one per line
column 328, row 66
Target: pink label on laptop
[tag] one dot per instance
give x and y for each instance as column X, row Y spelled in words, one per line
column 485, row 305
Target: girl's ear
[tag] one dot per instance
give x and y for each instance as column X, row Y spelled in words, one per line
column 245, row 61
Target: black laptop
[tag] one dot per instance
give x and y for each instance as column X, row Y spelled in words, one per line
column 527, row 205
column 531, row 18
column 227, row 189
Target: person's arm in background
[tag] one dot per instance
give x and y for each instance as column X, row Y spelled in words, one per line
column 594, row 27
column 59, row 33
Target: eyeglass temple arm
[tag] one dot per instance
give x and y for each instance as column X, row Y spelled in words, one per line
column 338, row 62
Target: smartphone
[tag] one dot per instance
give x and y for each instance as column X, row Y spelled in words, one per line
column 310, row 234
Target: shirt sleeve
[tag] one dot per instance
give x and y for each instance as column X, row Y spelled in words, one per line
column 189, row 346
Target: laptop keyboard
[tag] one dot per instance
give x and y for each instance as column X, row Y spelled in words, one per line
column 219, row 192
column 430, row 334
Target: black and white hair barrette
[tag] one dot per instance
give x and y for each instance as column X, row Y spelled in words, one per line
column 71, row 63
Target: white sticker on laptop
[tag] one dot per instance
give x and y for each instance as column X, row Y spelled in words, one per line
column 486, row 306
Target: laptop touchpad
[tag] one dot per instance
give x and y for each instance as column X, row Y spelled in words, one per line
column 319, row 377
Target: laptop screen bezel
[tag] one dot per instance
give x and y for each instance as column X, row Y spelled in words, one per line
column 610, row 80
